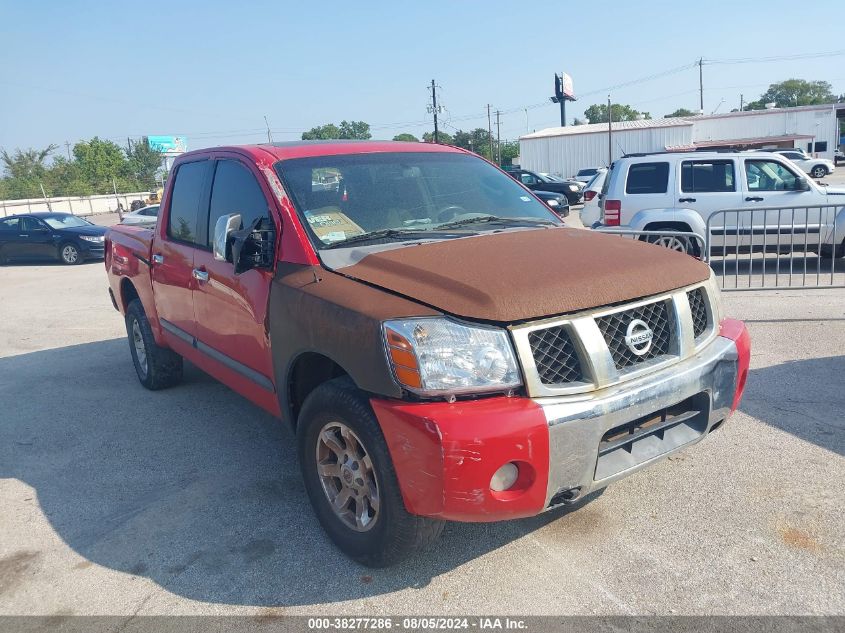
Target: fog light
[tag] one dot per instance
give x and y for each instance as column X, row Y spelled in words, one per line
column 505, row 477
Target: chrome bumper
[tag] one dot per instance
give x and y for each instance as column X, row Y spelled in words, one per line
column 577, row 423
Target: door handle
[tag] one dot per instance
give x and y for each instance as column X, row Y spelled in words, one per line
column 686, row 199
column 754, row 199
column 200, row 275
column 158, row 259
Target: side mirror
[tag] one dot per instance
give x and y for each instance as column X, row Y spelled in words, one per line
column 253, row 246
column 801, row 184
column 226, row 225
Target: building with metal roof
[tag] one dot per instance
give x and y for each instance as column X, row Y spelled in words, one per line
column 565, row 150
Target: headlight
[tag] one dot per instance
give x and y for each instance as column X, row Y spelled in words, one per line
column 573, row 187
column 553, row 203
column 438, row 356
column 92, row 238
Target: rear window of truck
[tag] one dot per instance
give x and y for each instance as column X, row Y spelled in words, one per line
column 647, row 178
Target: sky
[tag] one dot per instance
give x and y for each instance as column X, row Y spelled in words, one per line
column 213, row 70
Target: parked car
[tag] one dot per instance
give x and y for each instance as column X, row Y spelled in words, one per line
column 591, row 212
column 557, row 202
column 441, row 345
column 680, row 191
column 538, row 182
column 145, row 216
column 50, row 236
column 816, row 167
column 586, row 175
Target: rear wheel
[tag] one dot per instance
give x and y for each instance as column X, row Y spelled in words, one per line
column 69, row 254
column 350, row 479
column 827, row 250
column 680, row 243
column 157, row 367
column 819, row 171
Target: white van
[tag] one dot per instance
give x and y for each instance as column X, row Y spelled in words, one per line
column 682, row 191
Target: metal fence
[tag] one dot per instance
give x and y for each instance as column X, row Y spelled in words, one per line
column 777, row 247
column 683, row 241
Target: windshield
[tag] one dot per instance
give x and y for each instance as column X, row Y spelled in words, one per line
column 65, row 221
column 392, row 196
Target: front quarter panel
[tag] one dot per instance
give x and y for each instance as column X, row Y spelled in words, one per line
column 317, row 311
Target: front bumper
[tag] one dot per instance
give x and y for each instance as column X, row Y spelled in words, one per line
column 565, row 447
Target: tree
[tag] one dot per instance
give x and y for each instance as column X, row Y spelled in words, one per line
column 680, row 112
column 144, row 162
column 103, row 165
column 579, row 121
column 794, row 92
column 26, row 164
column 406, row 137
column 442, row 137
column 597, row 113
column 346, row 130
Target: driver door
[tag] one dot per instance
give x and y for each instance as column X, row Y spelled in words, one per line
column 35, row 240
column 772, row 183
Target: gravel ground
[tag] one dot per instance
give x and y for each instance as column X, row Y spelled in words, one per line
column 116, row 500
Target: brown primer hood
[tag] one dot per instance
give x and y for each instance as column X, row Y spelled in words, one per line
column 519, row 275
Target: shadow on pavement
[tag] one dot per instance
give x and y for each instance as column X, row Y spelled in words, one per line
column 796, row 270
column 802, row 398
column 193, row 487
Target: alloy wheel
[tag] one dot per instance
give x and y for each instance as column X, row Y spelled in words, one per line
column 347, row 475
column 140, row 348
column 70, row 254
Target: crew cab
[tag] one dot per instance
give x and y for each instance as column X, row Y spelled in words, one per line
column 443, row 347
column 703, row 192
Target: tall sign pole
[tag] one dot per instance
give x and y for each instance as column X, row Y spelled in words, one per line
column 563, row 93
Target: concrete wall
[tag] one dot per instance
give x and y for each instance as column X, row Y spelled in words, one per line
column 78, row 205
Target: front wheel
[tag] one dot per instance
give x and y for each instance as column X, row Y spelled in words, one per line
column 69, row 254
column 157, row 367
column 350, row 480
column 819, row 171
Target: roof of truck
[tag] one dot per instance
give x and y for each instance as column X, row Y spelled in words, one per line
column 304, row 149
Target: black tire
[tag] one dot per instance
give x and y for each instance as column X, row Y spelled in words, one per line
column 161, row 367
column 819, row 171
column 826, row 251
column 395, row 534
column 70, row 254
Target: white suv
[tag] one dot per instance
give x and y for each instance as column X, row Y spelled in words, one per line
column 680, row 191
column 816, row 167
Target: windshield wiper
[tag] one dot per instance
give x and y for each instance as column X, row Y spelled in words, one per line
column 492, row 219
column 375, row 235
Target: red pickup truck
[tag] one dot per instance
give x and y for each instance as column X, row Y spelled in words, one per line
column 443, row 346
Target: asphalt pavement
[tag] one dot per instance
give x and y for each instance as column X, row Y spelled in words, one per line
column 117, row 500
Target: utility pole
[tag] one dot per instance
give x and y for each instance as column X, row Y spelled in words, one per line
column 740, row 102
column 269, row 136
column 434, row 110
column 527, row 127
column 67, row 146
column 701, row 83
column 489, row 135
column 498, row 139
column 609, row 133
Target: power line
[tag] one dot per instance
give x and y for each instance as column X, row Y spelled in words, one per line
column 777, row 58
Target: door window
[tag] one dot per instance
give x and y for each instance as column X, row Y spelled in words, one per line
column 647, row 178
column 29, row 225
column 9, row 225
column 528, row 179
column 235, row 190
column 700, row 176
column 769, row 175
column 183, row 222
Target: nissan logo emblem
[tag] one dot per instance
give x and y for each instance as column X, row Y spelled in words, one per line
column 638, row 337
